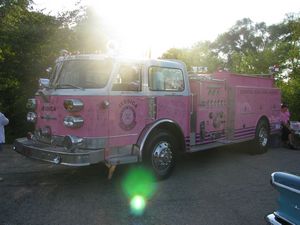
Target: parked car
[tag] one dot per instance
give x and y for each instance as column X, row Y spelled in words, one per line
column 288, row 186
column 295, row 125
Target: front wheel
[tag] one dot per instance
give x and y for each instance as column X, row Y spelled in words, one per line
column 160, row 153
column 262, row 137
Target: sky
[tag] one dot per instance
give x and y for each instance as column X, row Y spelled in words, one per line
column 139, row 25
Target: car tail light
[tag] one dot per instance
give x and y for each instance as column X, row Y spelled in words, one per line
column 73, row 105
column 73, row 121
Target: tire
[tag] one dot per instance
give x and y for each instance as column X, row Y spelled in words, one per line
column 262, row 138
column 160, row 154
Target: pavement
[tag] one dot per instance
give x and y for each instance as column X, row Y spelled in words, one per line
column 221, row 186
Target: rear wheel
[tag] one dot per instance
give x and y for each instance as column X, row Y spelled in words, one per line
column 262, row 137
column 160, row 153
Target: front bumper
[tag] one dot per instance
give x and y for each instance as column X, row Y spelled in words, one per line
column 57, row 155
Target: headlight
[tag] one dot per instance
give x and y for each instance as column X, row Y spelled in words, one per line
column 31, row 117
column 73, row 121
column 31, row 104
column 73, row 105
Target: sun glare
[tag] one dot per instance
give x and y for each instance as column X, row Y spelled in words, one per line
column 140, row 27
column 143, row 26
column 126, row 24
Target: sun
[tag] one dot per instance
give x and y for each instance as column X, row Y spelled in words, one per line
column 143, row 26
column 137, row 26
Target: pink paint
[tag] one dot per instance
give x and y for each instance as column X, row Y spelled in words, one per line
column 225, row 106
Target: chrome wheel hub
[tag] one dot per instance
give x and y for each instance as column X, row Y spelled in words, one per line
column 162, row 156
column 263, row 137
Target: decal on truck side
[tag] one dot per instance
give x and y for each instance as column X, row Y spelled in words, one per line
column 127, row 114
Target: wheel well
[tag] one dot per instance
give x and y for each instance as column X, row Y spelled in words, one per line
column 173, row 129
column 264, row 118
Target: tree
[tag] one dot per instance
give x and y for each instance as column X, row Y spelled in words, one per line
column 198, row 55
column 176, row 53
column 252, row 48
column 89, row 33
column 244, row 47
column 286, row 44
column 29, row 42
column 201, row 54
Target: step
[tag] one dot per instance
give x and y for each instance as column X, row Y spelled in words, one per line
column 121, row 159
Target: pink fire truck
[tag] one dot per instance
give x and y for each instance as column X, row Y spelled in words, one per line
column 96, row 108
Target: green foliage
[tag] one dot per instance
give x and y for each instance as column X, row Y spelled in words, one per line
column 90, row 34
column 244, row 47
column 199, row 55
column 252, row 48
column 291, row 95
column 29, row 42
column 286, row 42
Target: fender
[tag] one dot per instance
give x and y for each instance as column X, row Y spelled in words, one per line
column 148, row 130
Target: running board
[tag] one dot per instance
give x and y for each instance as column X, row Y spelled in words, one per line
column 121, row 159
column 219, row 143
column 203, row 147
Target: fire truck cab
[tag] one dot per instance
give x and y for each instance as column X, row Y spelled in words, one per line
column 97, row 108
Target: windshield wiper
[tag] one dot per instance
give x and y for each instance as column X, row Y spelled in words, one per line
column 68, row 85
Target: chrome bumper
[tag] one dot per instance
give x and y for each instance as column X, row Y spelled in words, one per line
column 57, row 155
column 274, row 220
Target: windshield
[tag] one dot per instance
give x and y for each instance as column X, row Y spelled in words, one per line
column 83, row 74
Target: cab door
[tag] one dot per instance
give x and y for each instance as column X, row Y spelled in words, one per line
column 166, row 83
column 127, row 105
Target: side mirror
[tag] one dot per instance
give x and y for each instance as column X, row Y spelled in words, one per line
column 44, row 83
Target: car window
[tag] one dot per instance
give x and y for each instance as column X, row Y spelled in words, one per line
column 127, row 79
column 165, row 79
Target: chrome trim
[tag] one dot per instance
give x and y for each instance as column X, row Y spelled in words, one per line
column 87, row 143
column 283, row 186
column 271, row 219
column 72, row 142
column 31, row 117
column 263, row 137
column 105, row 104
column 286, row 220
column 123, row 135
column 152, row 107
column 44, row 82
column 57, row 155
column 145, row 133
column 192, row 138
column 73, row 121
column 76, row 105
column 162, row 156
column 94, row 143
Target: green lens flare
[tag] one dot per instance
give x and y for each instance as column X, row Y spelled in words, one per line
column 139, row 181
column 139, row 185
column 137, row 205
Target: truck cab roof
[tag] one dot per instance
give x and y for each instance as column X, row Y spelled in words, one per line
column 153, row 62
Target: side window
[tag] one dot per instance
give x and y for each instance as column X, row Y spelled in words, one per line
column 165, row 79
column 128, row 79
